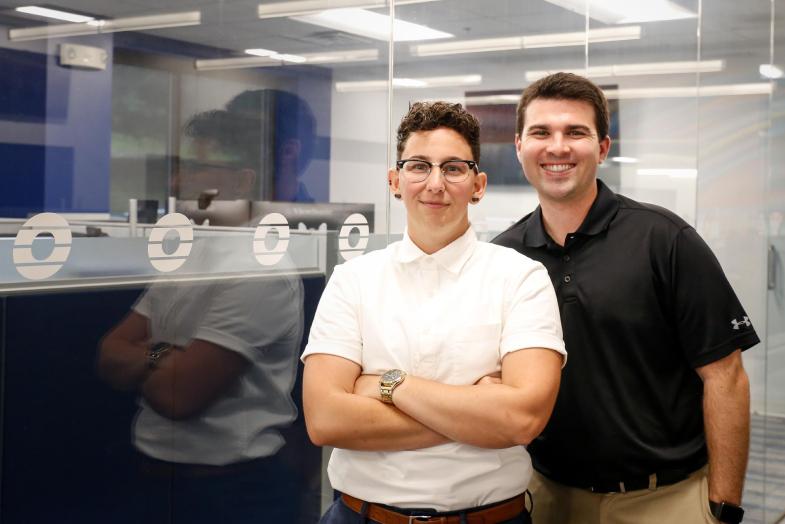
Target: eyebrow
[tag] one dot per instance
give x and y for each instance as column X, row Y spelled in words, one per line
column 428, row 159
column 569, row 127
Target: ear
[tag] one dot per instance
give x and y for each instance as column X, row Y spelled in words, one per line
column 518, row 147
column 394, row 179
column 605, row 147
column 480, row 184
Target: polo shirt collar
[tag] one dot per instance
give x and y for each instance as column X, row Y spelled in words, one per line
column 602, row 211
column 452, row 257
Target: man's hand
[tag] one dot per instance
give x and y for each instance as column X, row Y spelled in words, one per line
column 368, row 386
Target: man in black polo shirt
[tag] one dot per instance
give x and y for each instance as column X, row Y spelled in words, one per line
column 652, row 419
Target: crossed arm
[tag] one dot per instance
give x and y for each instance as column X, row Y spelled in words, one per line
column 184, row 382
column 726, row 413
column 343, row 408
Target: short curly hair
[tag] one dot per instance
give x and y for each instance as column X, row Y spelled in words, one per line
column 427, row 116
column 566, row 86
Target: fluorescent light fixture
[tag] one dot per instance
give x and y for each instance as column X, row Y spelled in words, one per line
column 308, row 7
column 54, row 13
column 371, row 25
column 595, row 36
column 285, row 57
column 276, row 56
column 93, row 27
column 626, row 12
column 770, row 71
column 409, row 83
column 492, row 99
column 259, row 52
column 653, row 68
column 673, row 173
column 688, row 92
column 514, row 43
column 273, row 59
column 624, row 160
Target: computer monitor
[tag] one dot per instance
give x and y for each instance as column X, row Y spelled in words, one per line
column 217, row 212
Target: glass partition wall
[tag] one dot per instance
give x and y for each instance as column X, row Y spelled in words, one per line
column 203, row 165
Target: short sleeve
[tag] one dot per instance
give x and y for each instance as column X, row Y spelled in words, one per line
column 532, row 313
column 336, row 325
column 248, row 316
column 711, row 321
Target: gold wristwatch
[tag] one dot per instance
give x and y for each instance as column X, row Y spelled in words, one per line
column 388, row 382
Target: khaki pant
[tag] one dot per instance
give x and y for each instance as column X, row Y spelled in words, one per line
column 686, row 502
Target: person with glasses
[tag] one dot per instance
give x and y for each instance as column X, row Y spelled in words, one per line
column 432, row 362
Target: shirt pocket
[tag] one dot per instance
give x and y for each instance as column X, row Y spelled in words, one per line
column 472, row 353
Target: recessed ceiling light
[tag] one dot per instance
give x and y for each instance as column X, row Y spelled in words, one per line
column 371, row 25
column 627, row 12
column 770, row 71
column 307, row 7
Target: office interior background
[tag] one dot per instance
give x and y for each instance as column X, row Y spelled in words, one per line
column 105, row 192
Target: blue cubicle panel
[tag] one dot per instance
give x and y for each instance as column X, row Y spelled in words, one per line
column 66, row 450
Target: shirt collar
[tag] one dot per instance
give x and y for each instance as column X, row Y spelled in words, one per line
column 451, row 257
column 599, row 217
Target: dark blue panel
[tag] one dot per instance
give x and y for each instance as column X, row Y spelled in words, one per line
column 23, row 88
column 23, row 177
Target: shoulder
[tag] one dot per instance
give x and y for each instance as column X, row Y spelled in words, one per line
column 367, row 264
column 650, row 214
column 503, row 260
column 513, row 235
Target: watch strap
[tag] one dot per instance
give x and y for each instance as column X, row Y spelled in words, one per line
column 726, row 512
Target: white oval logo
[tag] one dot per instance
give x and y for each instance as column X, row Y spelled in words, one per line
column 160, row 260
column 26, row 264
column 272, row 222
column 354, row 221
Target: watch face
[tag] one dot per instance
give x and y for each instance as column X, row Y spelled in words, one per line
column 392, row 376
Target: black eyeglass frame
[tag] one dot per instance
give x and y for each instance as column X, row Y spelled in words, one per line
column 471, row 163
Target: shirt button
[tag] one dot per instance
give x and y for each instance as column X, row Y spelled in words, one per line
column 566, row 258
column 567, row 279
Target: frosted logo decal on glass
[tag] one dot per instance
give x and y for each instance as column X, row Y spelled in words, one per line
column 357, row 222
column 26, row 263
column 272, row 222
column 160, row 260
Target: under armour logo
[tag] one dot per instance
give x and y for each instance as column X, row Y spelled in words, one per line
column 744, row 321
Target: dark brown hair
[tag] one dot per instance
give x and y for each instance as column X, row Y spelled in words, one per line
column 427, row 116
column 567, row 86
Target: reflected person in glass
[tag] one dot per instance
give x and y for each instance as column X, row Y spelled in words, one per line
column 652, row 420
column 214, row 361
column 430, row 362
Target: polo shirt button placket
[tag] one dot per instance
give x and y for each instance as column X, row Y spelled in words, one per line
column 567, row 279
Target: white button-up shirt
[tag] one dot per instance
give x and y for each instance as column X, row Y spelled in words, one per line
column 449, row 317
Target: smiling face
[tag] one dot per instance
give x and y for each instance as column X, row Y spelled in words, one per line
column 437, row 210
column 559, row 150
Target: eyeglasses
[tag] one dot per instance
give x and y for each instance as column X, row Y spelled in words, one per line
column 454, row 171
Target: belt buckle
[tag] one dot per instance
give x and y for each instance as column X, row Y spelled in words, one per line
column 414, row 519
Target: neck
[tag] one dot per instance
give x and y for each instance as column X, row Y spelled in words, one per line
column 429, row 242
column 561, row 218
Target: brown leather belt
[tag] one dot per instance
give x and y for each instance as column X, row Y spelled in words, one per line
column 506, row 510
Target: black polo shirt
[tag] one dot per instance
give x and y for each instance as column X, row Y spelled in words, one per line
column 643, row 302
